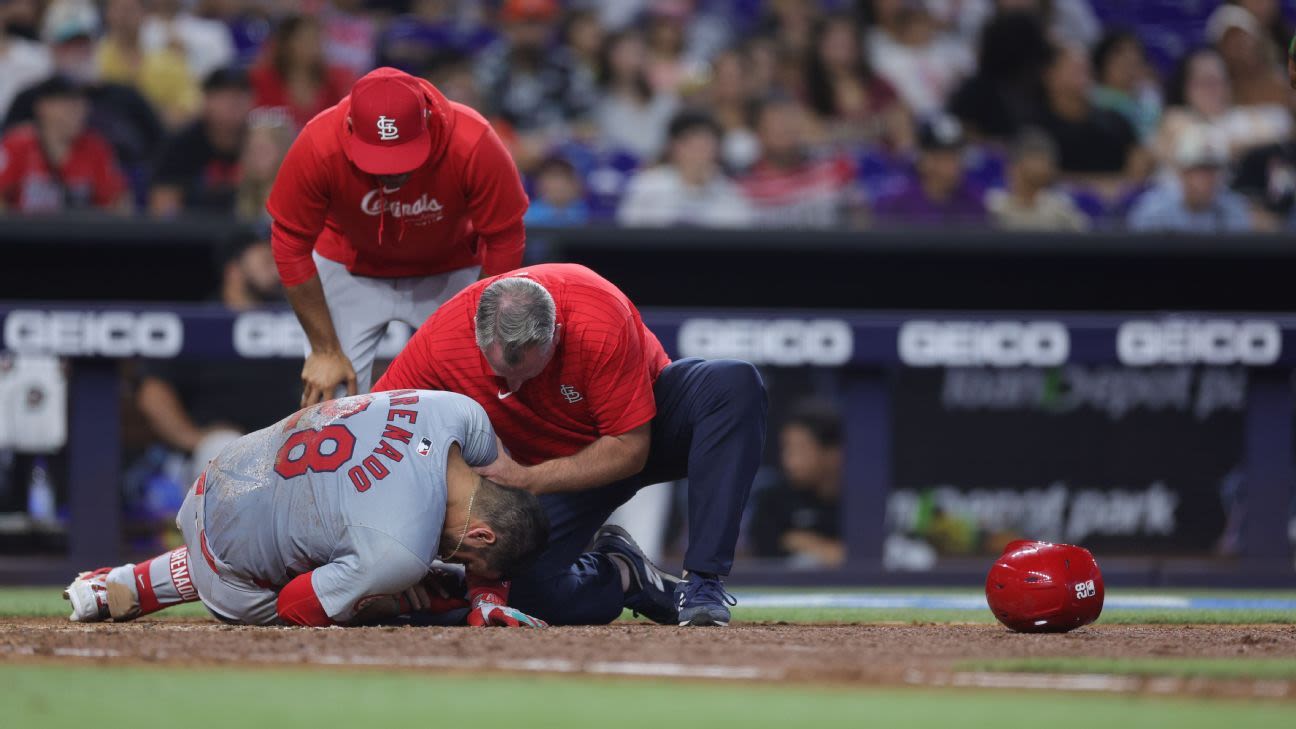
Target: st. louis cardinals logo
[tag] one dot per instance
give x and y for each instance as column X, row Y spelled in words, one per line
column 387, row 130
column 570, row 393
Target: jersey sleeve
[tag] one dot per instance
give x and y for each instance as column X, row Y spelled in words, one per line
column 619, row 387
column 496, row 203
column 367, row 563
column 478, row 446
column 298, row 205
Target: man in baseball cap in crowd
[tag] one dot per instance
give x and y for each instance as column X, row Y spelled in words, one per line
column 388, row 204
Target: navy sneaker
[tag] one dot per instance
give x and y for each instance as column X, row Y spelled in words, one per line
column 652, row 589
column 702, row 600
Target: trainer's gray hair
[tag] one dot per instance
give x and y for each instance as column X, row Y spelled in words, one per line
column 518, row 313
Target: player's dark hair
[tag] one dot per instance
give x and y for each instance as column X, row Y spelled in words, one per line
column 820, row 419
column 520, row 525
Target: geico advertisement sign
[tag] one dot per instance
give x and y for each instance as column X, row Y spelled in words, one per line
column 779, row 342
column 984, row 343
column 94, row 333
column 1208, row 341
column 263, row 334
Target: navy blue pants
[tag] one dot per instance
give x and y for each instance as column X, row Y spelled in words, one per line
column 710, row 427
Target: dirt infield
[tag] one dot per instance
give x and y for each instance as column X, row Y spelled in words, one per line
column 838, row 654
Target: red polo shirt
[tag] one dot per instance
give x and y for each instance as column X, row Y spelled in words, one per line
column 600, row 381
column 88, row 176
column 463, row 207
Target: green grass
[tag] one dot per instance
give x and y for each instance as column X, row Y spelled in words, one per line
column 1213, row 668
column 49, row 696
column 47, row 602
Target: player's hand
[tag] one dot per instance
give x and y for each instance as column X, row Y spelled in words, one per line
column 322, row 374
column 488, row 606
column 506, row 472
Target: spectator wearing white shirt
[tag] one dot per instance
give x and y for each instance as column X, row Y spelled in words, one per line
column 689, row 188
column 1197, row 201
column 907, row 48
column 22, row 63
column 207, row 44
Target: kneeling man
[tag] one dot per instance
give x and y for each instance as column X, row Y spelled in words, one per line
column 335, row 516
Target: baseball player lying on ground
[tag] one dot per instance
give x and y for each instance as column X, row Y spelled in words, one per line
column 336, row 516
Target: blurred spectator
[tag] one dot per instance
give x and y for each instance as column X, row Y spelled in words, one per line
column 269, row 134
column 193, row 407
column 293, row 73
column 1269, row 16
column 1198, row 201
column 729, row 100
column 55, row 163
column 1002, row 97
column 1031, row 202
column 526, row 82
column 667, row 69
column 351, row 36
column 790, row 24
column 581, row 39
column 23, row 62
column 430, row 30
column 198, row 168
column 207, row 44
column 117, row 112
column 1249, row 56
column 22, row 18
column 160, row 73
column 906, row 48
column 559, row 199
column 789, row 187
column 843, row 91
column 630, row 115
column 1266, row 176
column 942, row 194
column 1067, row 21
column 690, row 188
column 1200, row 93
column 799, row 518
column 1125, row 82
column 1097, row 148
column 247, row 23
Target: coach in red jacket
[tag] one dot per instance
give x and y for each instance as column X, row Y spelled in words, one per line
column 590, row 410
column 388, row 204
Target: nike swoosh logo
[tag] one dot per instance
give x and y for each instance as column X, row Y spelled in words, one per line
column 503, row 395
column 140, row 579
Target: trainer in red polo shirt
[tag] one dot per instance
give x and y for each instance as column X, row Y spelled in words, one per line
column 386, row 205
column 590, row 410
column 599, row 382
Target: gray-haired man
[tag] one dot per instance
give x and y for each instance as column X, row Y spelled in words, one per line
column 590, row 410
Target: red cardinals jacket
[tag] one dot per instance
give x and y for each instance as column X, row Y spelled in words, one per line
column 463, row 207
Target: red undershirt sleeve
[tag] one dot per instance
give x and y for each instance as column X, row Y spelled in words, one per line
column 299, row 605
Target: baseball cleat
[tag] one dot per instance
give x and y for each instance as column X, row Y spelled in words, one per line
column 652, row 589
column 95, row 599
column 703, row 601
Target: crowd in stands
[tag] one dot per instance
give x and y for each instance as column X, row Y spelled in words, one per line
column 1065, row 115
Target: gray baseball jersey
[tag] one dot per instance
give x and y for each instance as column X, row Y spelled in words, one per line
column 354, row 489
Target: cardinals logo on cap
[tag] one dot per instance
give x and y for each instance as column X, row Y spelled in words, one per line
column 387, row 130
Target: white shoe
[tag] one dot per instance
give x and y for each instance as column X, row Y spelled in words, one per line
column 95, row 599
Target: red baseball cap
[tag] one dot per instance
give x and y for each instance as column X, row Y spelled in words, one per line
column 388, row 132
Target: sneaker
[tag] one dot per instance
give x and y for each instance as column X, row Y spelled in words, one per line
column 702, row 600
column 652, row 589
column 95, row 599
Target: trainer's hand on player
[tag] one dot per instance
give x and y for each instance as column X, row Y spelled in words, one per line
column 507, row 472
column 321, row 375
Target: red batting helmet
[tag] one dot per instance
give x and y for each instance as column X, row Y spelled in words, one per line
column 1038, row 587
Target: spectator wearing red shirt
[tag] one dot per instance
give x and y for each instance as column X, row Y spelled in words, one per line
column 387, row 205
column 293, row 73
column 590, row 410
column 790, row 187
column 55, row 163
